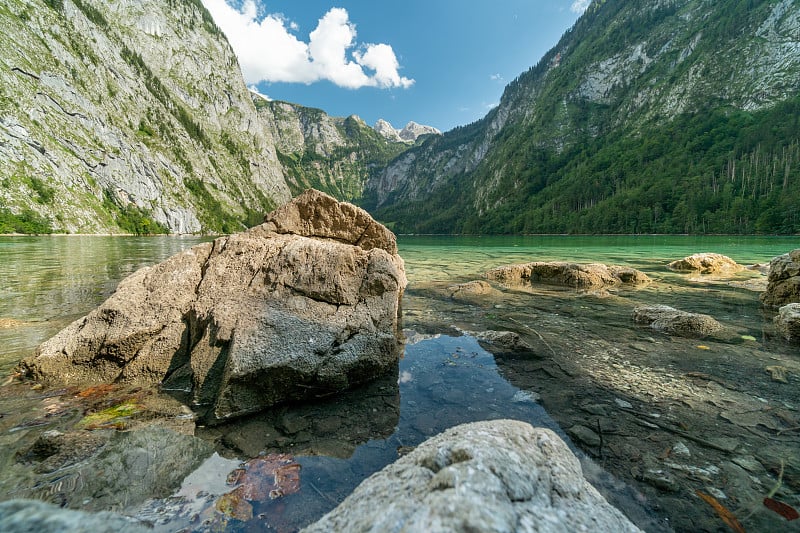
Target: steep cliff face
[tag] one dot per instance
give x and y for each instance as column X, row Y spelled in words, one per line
column 128, row 116
column 331, row 154
column 646, row 116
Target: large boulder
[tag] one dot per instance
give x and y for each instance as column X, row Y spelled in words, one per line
column 787, row 322
column 303, row 305
column 500, row 475
column 670, row 320
column 783, row 281
column 575, row 275
column 706, row 263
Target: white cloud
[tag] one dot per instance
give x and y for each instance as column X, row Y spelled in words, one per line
column 268, row 51
column 579, row 6
column 253, row 89
column 381, row 59
column 496, row 77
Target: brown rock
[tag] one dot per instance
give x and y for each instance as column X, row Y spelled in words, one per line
column 783, row 281
column 250, row 320
column 471, row 288
column 787, row 322
column 576, row 275
column 706, row 263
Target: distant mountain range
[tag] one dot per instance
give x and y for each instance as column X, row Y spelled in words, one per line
column 673, row 116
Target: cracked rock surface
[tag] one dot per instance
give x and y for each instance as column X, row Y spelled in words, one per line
column 301, row 306
column 499, row 475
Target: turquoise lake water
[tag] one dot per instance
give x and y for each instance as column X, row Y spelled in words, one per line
column 46, row 282
column 443, row 380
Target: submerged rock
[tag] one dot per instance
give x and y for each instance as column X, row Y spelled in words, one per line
column 706, row 263
column 469, row 289
column 575, row 275
column 783, row 281
column 503, row 343
column 670, row 320
column 301, row 306
column 26, row 516
column 501, row 475
column 787, row 322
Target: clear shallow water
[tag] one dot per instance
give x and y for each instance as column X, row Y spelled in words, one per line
column 46, row 282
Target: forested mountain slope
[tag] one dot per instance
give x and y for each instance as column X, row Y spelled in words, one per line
column 332, row 154
column 666, row 116
column 129, row 115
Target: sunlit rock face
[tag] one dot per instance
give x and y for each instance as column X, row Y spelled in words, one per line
column 302, row 306
column 783, row 281
column 706, row 263
column 500, row 475
column 787, row 322
column 575, row 275
column 124, row 105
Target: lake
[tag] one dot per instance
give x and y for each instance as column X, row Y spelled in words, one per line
column 446, row 378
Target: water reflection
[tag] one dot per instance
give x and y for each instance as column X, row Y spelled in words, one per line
column 441, row 382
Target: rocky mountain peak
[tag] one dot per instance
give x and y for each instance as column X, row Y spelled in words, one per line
column 410, row 133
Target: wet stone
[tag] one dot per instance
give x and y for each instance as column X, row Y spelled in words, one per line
column 595, row 409
column 291, row 423
column 584, row 435
column 661, row 480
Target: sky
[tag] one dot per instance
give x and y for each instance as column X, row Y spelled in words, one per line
column 442, row 63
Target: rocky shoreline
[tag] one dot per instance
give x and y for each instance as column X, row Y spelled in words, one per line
column 672, row 417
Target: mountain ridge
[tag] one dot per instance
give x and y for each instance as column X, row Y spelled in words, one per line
column 161, row 137
column 552, row 156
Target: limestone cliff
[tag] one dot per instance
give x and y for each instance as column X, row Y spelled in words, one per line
column 333, row 154
column 129, row 115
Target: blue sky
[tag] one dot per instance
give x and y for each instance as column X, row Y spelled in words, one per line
column 438, row 62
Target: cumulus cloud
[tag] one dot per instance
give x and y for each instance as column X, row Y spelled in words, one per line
column 579, row 6
column 269, row 51
column 496, row 77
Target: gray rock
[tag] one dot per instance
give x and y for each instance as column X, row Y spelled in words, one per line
column 33, row 516
column 783, row 280
column 302, row 306
column 501, row 475
column 787, row 322
column 673, row 321
column 575, row 275
column 585, row 435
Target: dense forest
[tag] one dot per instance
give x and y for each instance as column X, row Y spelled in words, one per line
column 725, row 171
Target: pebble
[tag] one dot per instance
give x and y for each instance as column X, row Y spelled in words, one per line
column 584, row 435
column 680, row 448
column 623, row 404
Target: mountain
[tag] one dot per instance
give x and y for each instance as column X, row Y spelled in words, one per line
column 334, row 155
column 672, row 116
column 410, row 133
column 127, row 116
